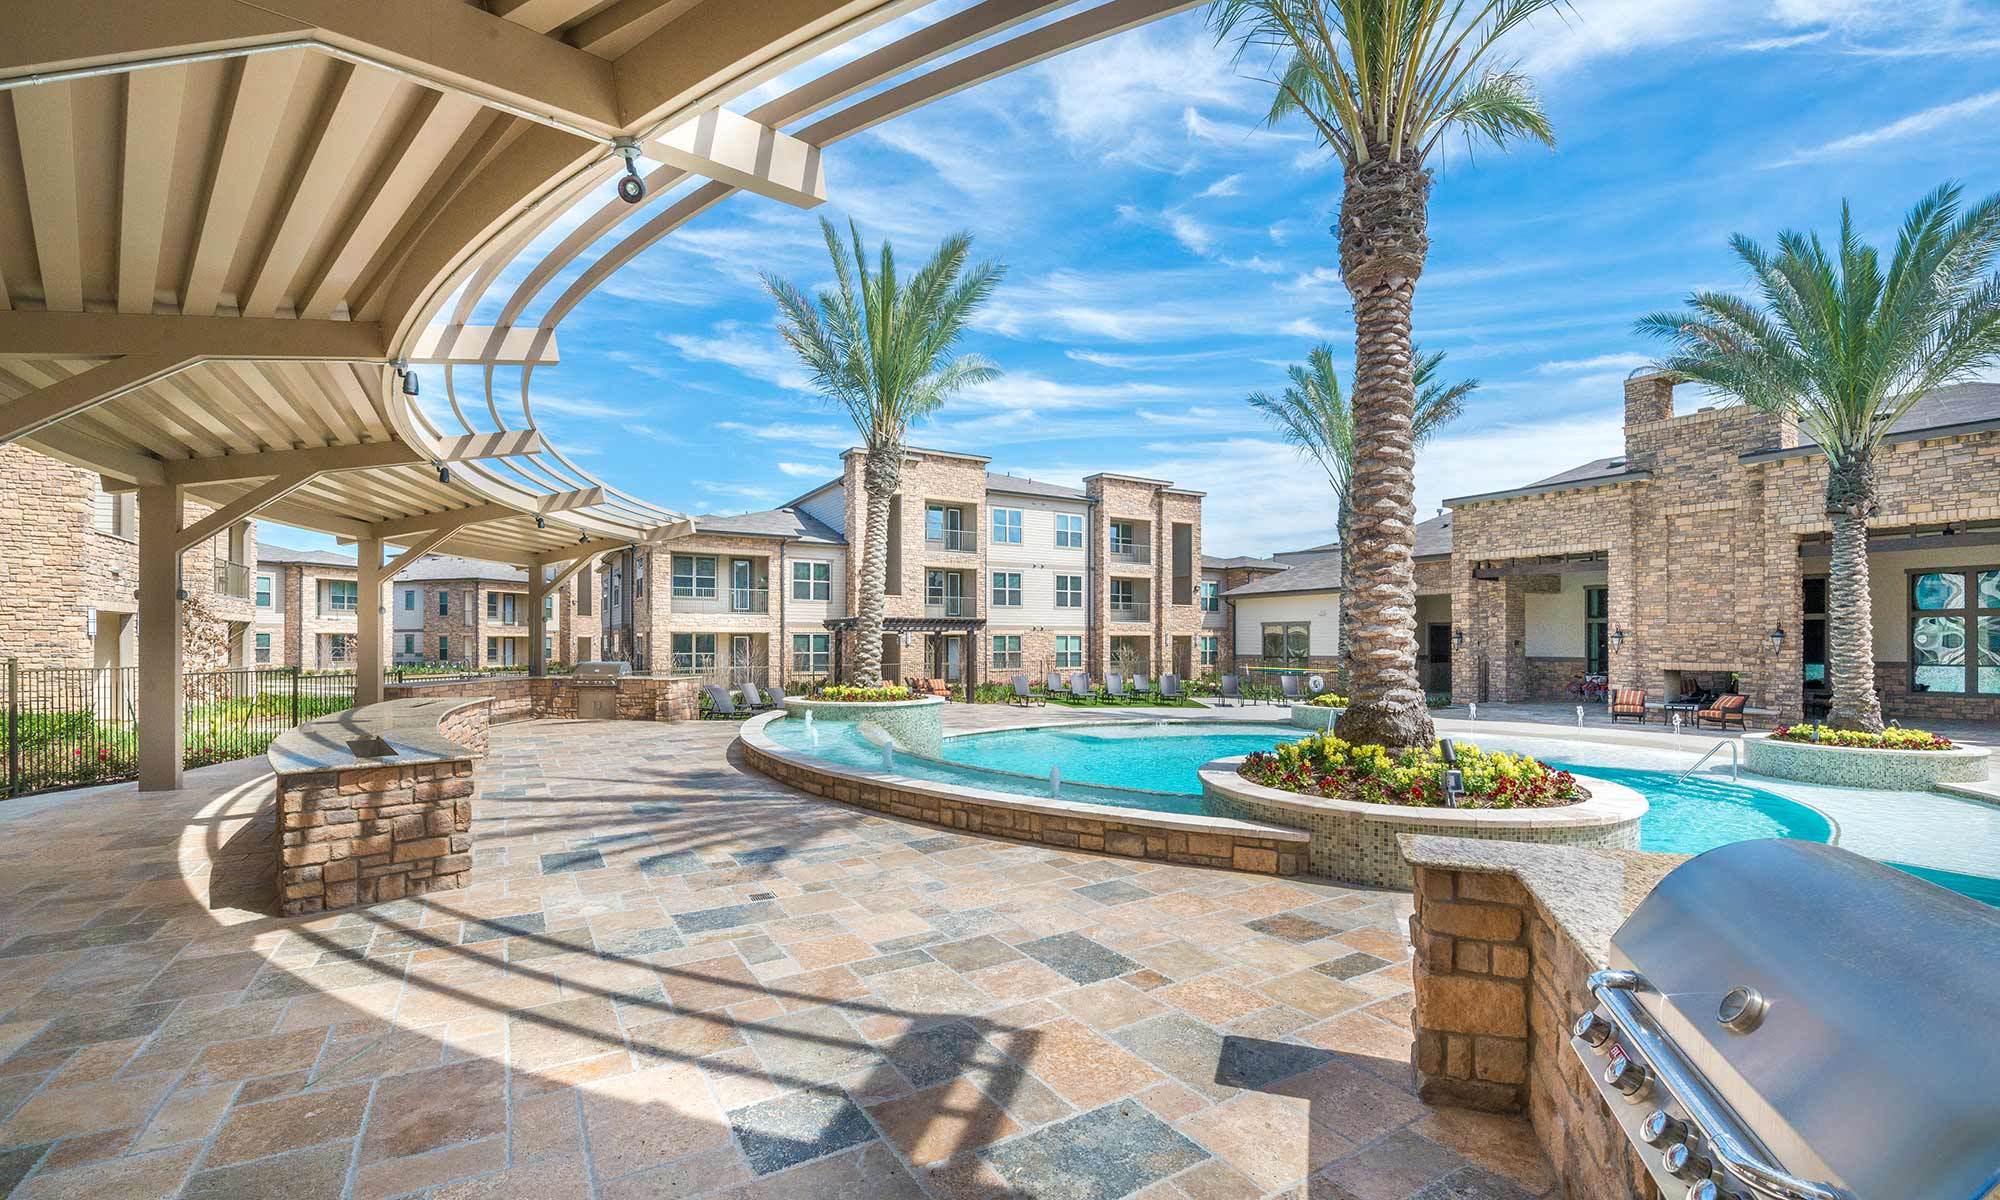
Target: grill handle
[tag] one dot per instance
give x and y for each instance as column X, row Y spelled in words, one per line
column 1728, row 1140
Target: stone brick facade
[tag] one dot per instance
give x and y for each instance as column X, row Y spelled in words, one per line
column 1166, row 635
column 524, row 698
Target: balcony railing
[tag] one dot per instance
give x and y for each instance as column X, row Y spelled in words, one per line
column 950, row 606
column 1131, row 552
column 954, row 540
column 726, row 600
column 749, row 599
column 1130, row 610
column 232, row 579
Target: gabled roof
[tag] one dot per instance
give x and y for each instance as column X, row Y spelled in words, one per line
column 1210, row 562
column 1021, row 485
column 441, row 567
column 1969, row 407
column 271, row 553
column 1317, row 569
column 789, row 523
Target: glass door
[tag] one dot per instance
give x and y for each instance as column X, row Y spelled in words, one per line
column 740, row 658
column 742, row 585
column 1596, row 630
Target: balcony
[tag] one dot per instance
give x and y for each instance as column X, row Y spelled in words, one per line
column 1130, row 611
column 949, row 606
column 1131, row 552
column 747, row 600
column 232, row 579
column 956, row 541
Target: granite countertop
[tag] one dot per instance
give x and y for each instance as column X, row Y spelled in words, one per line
column 1588, row 892
column 410, row 727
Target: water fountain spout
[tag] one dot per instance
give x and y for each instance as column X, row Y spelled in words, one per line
column 1055, row 783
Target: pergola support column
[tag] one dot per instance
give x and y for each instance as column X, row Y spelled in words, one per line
column 160, row 736
column 538, row 623
column 371, row 576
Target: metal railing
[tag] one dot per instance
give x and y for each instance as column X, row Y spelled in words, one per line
column 706, row 669
column 1136, row 610
column 232, row 579
column 1131, row 552
column 950, row 606
column 726, row 600
column 955, row 540
column 77, row 726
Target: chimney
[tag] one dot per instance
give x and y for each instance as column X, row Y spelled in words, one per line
column 1649, row 398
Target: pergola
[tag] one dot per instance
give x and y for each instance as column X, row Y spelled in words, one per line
column 231, row 229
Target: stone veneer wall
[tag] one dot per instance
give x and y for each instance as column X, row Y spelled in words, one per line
column 1497, row 985
column 1549, row 678
column 528, row 698
column 368, row 834
column 1078, row 831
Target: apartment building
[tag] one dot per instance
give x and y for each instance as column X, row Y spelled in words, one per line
column 988, row 575
column 69, row 571
column 441, row 609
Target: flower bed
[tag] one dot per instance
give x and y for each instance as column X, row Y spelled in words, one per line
column 1889, row 766
column 1855, row 739
column 887, row 693
column 914, row 723
column 1328, row 700
column 1330, row 768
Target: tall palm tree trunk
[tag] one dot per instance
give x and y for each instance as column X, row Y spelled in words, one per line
column 882, row 473
column 1850, row 623
column 1382, row 247
column 1343, row 646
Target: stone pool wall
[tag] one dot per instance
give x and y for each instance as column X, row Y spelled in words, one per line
column 1843, row 766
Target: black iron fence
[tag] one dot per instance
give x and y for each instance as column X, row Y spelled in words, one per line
column 447, row 672
column 74, row 726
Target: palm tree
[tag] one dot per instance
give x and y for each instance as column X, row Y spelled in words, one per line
column 1383, row 82
column 1313, row 416
column 1845, row 350
column 885, row 351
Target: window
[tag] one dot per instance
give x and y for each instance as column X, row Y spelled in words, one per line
column 492, row 606
column 694, row 652
column 263, row 648
column 1069, row 653
column 812, row 581
column 492, row 649
column 342, row 595
column 1122, row 598
column 1006, row 589
column 444, row 603
column 1069, row 530
column 1596, row 621
column 1122, row 540
column 336, row 646
column 1007, row 526
column 1812, row 603
column 548, row 608
column 639, row 575
column 409, row 599
column 694, row 576
column 1288, row 643
column 1006, row 651
column 548, row 649
column 410, row 645
column 1208, row 645
column 1955, row 631
column 1211, row 596
column 263, row 591
column 444, row 646
column 1069, row 591
column 812, row 653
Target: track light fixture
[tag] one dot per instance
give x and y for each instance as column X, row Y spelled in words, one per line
column 631, row 188
column 408, row 377
column 540, row 523
column 444, row 472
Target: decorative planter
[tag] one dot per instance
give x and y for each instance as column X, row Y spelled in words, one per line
column 1356, row 842
column 1846, row 766
column 916, row 726
column 1307, row 716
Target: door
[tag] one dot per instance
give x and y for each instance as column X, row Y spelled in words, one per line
column 740, row 658
column 742, row 585
column 954, row 657
column 1437, row 643
column 1596, row 630
column 1183, row 657
column 954, row 595
column 892, row 658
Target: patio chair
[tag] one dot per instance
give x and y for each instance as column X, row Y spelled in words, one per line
column 754, row 700
column 1628, row 704
column 1141, row 685
column 721, row 704
column 1227, row 692
column 1290, row 685
column 1022, row 695
column 1114, row 685
column 1079, row 686
column 1727, row 711
column 1054, row 682
column 1170, row 687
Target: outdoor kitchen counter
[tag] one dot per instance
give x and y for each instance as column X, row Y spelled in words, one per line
column 375, row 803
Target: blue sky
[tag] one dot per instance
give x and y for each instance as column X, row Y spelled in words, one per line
column 1166, row 254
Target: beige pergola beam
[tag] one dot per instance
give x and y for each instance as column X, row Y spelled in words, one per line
column 244, row 507
column 81, row 450
column 320, row 459
column 738, row 151
column 556, row 502
column 34, row 333
column 449, row 519
column 44, row 407
column 485, row 344
column 569, row 568
column 504, row 444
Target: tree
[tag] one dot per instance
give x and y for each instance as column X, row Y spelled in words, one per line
column 885, row 350
column 1383, row 82
column 1314, row 417
column 1845, row 349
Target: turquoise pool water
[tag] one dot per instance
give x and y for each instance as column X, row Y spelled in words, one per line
column 1153, row 766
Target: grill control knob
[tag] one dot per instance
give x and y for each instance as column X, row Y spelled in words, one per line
column 1706, row 1189
column 1630, row 1079
column 1685, row 1162
column 1659, row 1130
column 1592, row 1030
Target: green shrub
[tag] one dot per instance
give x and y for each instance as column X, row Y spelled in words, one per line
column 1854, row 739
column 1327, row 700
column 1327, row 766
column 850, row 694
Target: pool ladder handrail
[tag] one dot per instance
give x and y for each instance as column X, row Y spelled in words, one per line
column 1735, row 761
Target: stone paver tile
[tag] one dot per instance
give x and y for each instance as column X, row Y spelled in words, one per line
column 15, row 1163
column 202, row 976
column 1177, row 959
column 1270, row 1139
column 565, row 1031
column 1503, row 1145
column 1111, row 1004
column 137, row 1177
column 189, row 1115
column 814, row 1046
column 1473, row 1183
column 1213, row 999
column 1113, row 891
column 549, row 1179
column 85, row 1028
column 544, row 1125
column 96, row 1063
column 869, row 1171
column 1269, row 899
column 1169, row 1101
column 402, row 1176
column 319, row 1173
column 1078, row 957
column 935, row 1053
column 1394, row 1168
column 487, row 929
column 1347, row 966
column 949, row 1119
column 85, row 1108
column 974, row 953
column 89, row 1148
column 930, row 990
column 830, row 952
column 649, row 1117
column 1292, row 927
column 710, row 983
column 1213, row 1063
column 1022, row 979
column 564, row 861
column 728, row 916
column 1380, row 942
column 679, row 1039
column 828, row 985
column 227, row 1062
column 1313, row 993
column 1351, row 1102
column 1361, row 1038
column 703, row 1172
column 1106, row 1153
column 797, row 1127
column 275, row 1126
column 390, row 1053
column 424, row 1110
column 1217, row 1180
column 1081, row 1065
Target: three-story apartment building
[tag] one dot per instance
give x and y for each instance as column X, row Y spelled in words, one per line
column 988, row 575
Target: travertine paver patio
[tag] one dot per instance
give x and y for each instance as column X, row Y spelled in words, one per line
column 673, row 978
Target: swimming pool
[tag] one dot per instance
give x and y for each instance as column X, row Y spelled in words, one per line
column 1153, row 766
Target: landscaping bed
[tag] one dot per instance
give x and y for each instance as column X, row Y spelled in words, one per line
column 1329, row 768
column 1903, row 760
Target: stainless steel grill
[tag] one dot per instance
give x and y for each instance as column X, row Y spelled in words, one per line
column 596, row 686
column 1793, row 1021
column 605, row 673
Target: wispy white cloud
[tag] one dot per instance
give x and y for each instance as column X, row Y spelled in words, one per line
column 1228, row 185
column 799, row 470
column 578, row 406
column 756, row 353
column 1789, row 42
column 1928, row 120
column 832, row 438
column 1597, row 364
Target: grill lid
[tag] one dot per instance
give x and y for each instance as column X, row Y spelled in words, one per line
column 601, row 671
column 1843, row 1010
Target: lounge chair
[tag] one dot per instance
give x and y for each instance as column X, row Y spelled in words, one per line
column 1293, row 692
column 1226, row 692
column 1727, row 711
column 1022, row 695
column 1628, row 704
column 1170, row 687
column 1141, row 685
column 1114, row 686
column 1054, row 682
column 1079, row 686
column 721, row 704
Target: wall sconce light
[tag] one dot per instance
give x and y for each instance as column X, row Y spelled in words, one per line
column 1458, row 638
column 1617, row 640
column 1778, row 640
